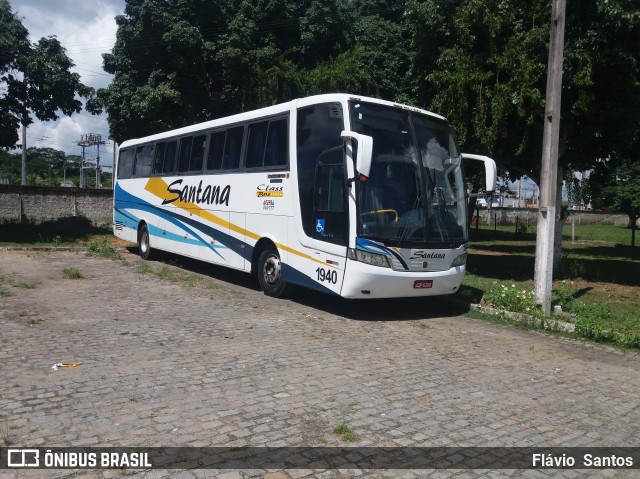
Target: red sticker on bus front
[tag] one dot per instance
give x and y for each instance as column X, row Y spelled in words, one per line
column 422, row 283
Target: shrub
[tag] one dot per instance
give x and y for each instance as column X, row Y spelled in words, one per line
column 101, row 247
column 512, row 299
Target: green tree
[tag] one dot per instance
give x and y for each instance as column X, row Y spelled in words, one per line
column 372, row 57
column 181, row 62
column 483, row 65
column 163, row 67
column 601, row 104
column 7, row 173
column 578, row 191
column 325, row 28
column 71, row 169
column 14, row 44
column 46, row 166
column 616, row 185
column 35, row 79
column 262, row 36
column 177, row 63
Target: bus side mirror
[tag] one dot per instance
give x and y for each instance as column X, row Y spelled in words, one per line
column 491, row 171
column 365, row 152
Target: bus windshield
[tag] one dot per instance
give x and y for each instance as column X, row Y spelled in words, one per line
column 415, row 195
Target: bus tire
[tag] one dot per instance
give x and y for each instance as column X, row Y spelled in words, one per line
column 270, row 274
column 144, row 246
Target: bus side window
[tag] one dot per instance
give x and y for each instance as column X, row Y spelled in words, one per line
column 256, row 144
column 144, row 157
column 158, row 158
column 197, row 153
column 170, row 157
column 276, row 153
column 233, row 148
column 125, row 163
column 267, row 144
column 185, row 154
column 216, row 148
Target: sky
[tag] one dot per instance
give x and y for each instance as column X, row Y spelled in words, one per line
column 86, row 29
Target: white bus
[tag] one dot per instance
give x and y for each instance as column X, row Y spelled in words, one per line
column 348, row 195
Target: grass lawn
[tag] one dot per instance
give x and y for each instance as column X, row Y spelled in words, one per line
column 598, row 281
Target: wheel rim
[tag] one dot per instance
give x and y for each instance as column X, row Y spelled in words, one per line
column 272, row 271
column 144, row 241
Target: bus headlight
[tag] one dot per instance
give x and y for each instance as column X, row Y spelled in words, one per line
column 369, row 258
column 460, row 260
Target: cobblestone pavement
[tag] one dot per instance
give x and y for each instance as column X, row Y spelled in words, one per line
column 197, row 356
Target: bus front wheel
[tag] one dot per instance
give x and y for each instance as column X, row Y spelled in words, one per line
column 270, row 274
column 144, row 247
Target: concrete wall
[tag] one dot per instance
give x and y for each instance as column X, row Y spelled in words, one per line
column 43, row 203
column 529, row 216
column 37, row 203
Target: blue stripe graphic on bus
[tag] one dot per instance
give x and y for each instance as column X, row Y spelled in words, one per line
column 122, row 217
column 372, row 247
column 291, row 274
column 154, row 230
column 177, row 220
column 234, row 244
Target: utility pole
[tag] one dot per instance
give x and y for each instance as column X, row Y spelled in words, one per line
column 543, row 275
column 24, row 154
column 90, row 140
column 113, row 163
column 81, row 185
column 98, row 171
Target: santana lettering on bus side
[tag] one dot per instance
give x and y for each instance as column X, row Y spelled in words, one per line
column 211, row 195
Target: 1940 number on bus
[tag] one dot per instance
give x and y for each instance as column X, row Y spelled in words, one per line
column 327, row 275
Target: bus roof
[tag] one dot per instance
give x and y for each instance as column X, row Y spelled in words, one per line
column 270, row 111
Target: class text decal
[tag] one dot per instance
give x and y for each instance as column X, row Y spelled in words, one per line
column 267, row 190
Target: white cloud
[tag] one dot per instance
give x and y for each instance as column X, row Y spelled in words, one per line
column 85, row 30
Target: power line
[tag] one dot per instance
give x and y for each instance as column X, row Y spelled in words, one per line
column 94, row 72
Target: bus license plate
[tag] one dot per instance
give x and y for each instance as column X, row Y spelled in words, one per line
column 422, row 283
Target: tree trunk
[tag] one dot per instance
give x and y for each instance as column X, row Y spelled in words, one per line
column 561, row 216
column 471, row 209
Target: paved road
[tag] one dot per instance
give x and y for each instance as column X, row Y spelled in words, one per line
column 197, row 356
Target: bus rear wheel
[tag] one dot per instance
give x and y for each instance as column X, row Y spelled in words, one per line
column 270, row 274
column 144, row 247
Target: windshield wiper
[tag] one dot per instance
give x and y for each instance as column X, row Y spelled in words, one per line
column 406, row 231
